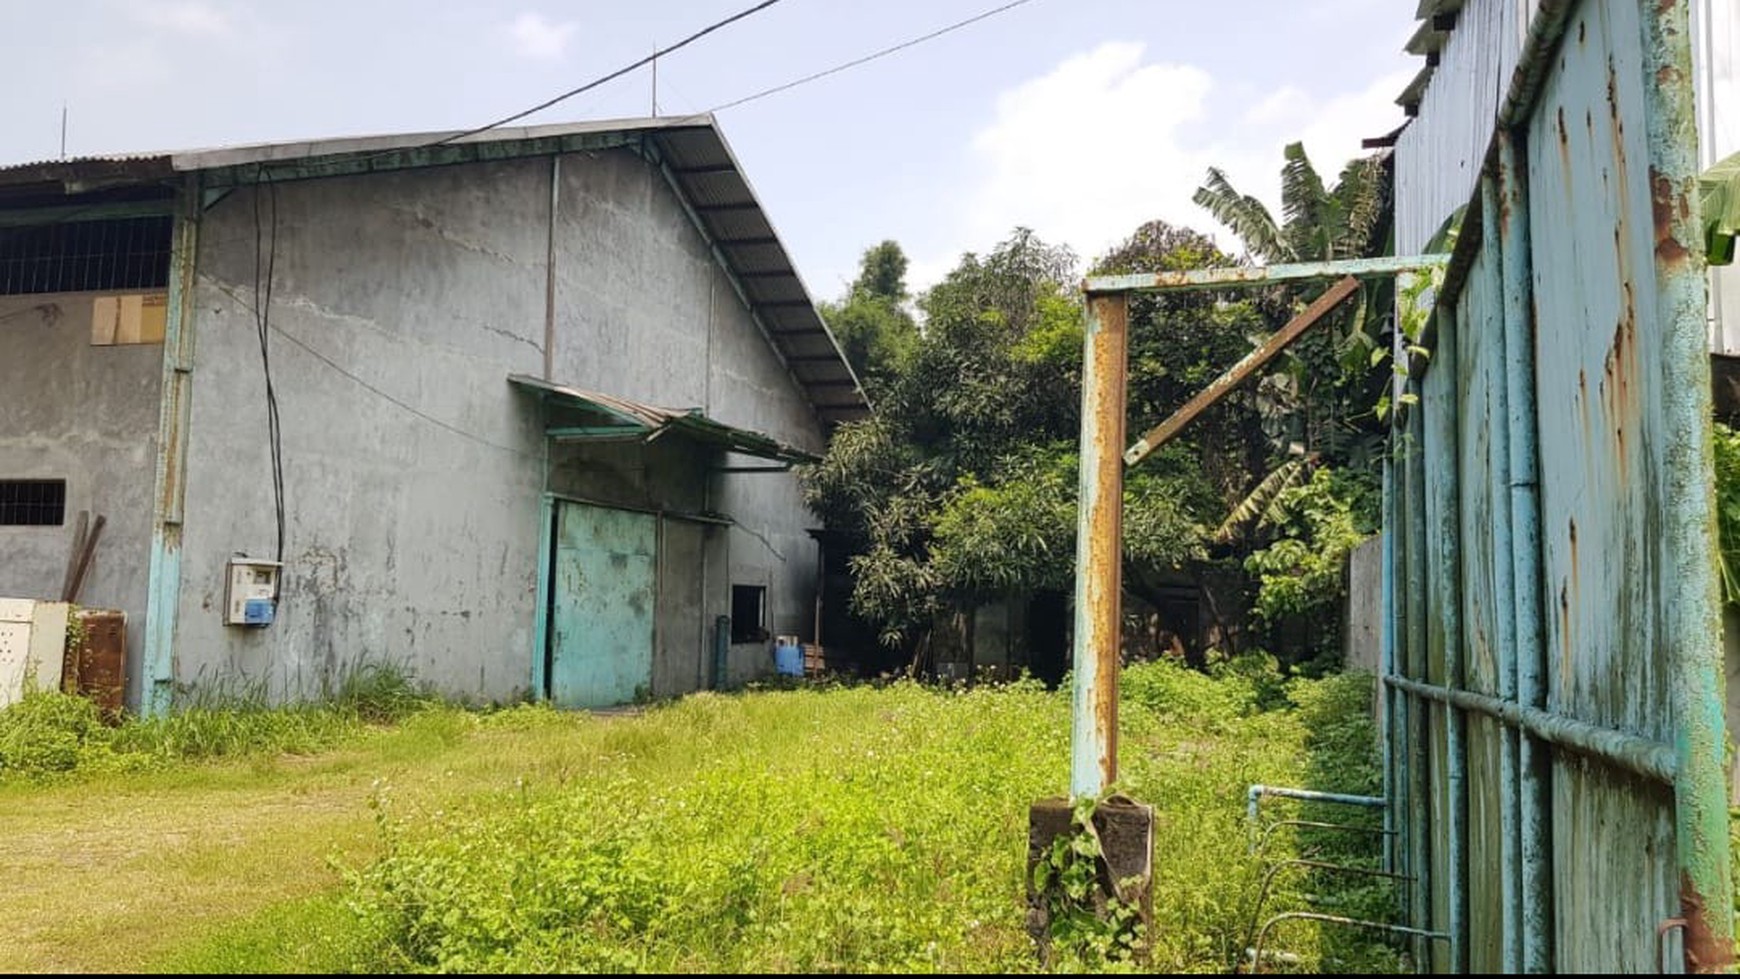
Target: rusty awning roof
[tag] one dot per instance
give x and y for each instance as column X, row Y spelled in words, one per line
column 690, row 151
column 621, row 418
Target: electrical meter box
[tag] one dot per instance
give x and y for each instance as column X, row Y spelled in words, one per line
column 253, row 592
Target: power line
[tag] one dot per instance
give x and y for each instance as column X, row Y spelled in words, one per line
column 618, row 73
column 872, row 57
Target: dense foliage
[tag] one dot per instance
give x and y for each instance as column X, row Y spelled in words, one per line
column 961, row 490
column 1727, row 446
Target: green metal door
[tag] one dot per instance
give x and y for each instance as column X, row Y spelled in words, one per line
column 604, row 584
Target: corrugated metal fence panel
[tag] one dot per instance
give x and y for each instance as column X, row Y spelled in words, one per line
column 1599, row 377
column 1438, row 156
column 1599, row 309
column 1478, row 370
column 1443, row 617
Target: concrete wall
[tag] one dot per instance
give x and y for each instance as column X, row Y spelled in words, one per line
column 86, row 414
column 1363, row 637
column 644, row 312
column 414, row 471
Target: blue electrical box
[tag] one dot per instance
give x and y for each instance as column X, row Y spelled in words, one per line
column 257, row 611
column 252, row 599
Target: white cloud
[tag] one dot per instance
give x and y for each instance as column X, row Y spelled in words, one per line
column 535, row 37
column 1106, row 140
column 1087, row 151
column 194, row 17
column 1331, row 129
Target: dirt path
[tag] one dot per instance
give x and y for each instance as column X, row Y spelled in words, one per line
column 112, row 873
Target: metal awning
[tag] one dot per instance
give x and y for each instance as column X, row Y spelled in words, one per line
column 620, row 418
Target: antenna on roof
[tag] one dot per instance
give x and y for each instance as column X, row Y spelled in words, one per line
column 63, row 130
column 655, row 80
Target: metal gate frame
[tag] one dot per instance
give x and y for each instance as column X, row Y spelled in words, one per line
column 1534, row 736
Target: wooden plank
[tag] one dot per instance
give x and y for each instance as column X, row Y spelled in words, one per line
column 84, row 565
column 80, row 528
column 1242, row 370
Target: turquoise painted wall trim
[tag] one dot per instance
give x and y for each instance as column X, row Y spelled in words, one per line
column 541, row 618
column 163, row 597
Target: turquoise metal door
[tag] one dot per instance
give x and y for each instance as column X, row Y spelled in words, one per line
column 601, row 605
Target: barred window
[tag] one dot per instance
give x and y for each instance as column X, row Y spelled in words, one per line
column 84, row 256
column 32, row 502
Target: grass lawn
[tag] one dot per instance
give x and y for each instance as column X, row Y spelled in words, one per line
column 837, row 829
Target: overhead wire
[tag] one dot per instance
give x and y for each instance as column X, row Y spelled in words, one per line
column 612, row 76
column 866, row 59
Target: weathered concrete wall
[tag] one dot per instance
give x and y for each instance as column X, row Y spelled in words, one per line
column 644, row 312
column 1362, row 639
column 69, row 410
column 414, row 471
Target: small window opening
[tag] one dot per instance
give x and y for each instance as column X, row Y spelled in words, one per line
column 748, row 613
column 86, row 256
column 32, row 502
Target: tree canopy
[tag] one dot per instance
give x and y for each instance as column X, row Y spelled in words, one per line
column 961, row 488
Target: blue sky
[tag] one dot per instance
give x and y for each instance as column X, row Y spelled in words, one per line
column 1079, row 118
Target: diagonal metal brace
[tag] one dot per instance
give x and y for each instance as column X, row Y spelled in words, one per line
column 1237, row 374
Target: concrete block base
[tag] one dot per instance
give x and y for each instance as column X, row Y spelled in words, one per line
column 1126, row 865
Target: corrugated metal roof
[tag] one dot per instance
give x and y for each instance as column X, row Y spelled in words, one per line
column 698, row 162
column 646, row 420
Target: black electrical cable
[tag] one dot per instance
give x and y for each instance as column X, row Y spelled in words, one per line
column 265, row 269
column 933, row 35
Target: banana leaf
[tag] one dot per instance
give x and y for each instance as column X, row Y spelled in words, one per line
column 1719, row 187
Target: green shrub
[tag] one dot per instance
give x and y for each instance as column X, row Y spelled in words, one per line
column 46, row 733
column 52, row 734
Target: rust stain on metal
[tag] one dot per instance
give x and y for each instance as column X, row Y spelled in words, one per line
column 172, row 445
column 1576, row 575
column 1706, row 951
column 1102, row 501
column 1665, row 201
column 1564, row 636
column 100, row 662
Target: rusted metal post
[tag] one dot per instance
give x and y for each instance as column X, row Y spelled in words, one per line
column 1691, row 616
column 1099, row 548
column 1503, row 573
column 1441, row 410
column 1386, row 666
column 1416, row 714
column 1521, row 677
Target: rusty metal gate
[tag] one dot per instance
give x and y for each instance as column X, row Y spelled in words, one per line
column 1553, row 664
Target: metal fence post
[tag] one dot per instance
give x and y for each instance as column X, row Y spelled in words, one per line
column 1524, row 679
column 1691, row 615
column 1099, row 548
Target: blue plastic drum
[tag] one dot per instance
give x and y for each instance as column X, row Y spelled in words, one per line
column 788, row 657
